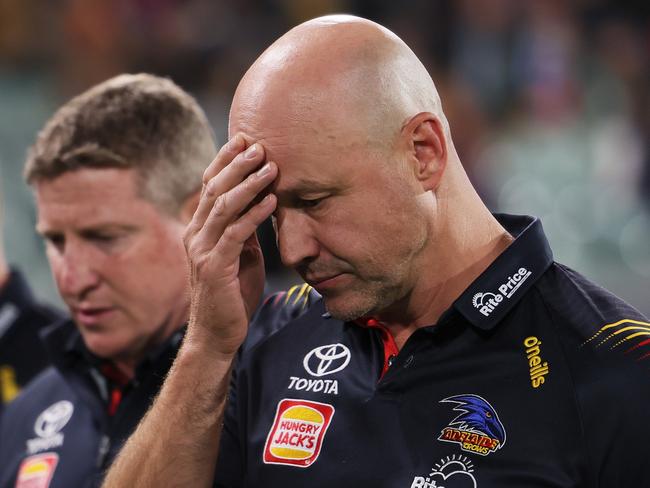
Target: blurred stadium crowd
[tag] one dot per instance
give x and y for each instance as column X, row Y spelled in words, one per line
column 548, row 101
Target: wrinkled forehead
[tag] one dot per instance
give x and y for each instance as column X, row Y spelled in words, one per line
column 314, row 149
column 299, row 122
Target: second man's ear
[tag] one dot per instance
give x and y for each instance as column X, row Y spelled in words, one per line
column 428, row 146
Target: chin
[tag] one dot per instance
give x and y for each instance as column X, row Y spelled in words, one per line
column 102, row 347
column 349, row 309
column 360, row 303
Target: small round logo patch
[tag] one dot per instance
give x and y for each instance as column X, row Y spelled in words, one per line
column 53, row 419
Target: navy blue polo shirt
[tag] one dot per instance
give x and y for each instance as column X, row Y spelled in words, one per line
column 533, row 378
column 64, row 429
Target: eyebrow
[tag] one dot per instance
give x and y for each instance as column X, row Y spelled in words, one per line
column 91, row 228
column 307, row 186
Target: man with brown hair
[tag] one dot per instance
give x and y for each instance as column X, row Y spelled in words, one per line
column 116, row 175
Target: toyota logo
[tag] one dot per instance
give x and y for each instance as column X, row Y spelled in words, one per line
column 325, row 360
column 53, row 419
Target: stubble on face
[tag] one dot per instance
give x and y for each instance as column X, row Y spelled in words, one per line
column 362, row 302
column 376, row 287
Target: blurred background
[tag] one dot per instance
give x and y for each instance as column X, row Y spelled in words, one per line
column 548, row 102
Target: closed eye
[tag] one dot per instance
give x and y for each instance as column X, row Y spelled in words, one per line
column 107, row 241
column 309, row 203
column 57, row 241
column 99, row 237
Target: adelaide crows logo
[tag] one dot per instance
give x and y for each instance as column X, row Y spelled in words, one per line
column 477, row 428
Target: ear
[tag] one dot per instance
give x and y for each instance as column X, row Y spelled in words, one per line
column 427, row 145
column 189, row 206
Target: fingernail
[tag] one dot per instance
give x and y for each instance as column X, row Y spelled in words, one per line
column 251, row 152
column 264, row 170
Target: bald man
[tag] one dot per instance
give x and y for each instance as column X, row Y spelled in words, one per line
column 448, row 348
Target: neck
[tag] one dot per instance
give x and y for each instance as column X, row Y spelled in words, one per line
column 128, row 363
column 126, row 367
column 471, row 240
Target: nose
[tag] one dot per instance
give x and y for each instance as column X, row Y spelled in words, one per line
column 295, row 237
column 75, row 273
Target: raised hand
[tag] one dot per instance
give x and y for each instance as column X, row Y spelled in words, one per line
column 227, row 266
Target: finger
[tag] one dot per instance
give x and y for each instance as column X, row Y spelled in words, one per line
column 234, row 173
column 229, row 177
column 229, row 205
column 226, row 154
column 237, row 234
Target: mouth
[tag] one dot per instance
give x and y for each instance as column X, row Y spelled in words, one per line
column 90, row 316
column 323, row 283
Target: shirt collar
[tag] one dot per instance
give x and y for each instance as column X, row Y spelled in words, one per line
column 67, row 348
column 491, row 296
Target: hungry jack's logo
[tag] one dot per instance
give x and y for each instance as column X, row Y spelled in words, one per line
column 476, row 428
column 37, row 471
column 297, row 434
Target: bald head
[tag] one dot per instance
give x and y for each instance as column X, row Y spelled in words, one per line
column 335, row 70
column 369, row 189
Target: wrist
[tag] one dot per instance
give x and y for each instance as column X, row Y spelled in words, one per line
column 205, row 346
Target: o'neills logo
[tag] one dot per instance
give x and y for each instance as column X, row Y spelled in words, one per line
column 477, row 428
column 537, row 367
column 297, row 434
column 487, row 302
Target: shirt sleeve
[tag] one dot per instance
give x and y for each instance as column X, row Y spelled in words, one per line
column 229, row 472
column 276, row 311
column 616, row 428
column 607, row 348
